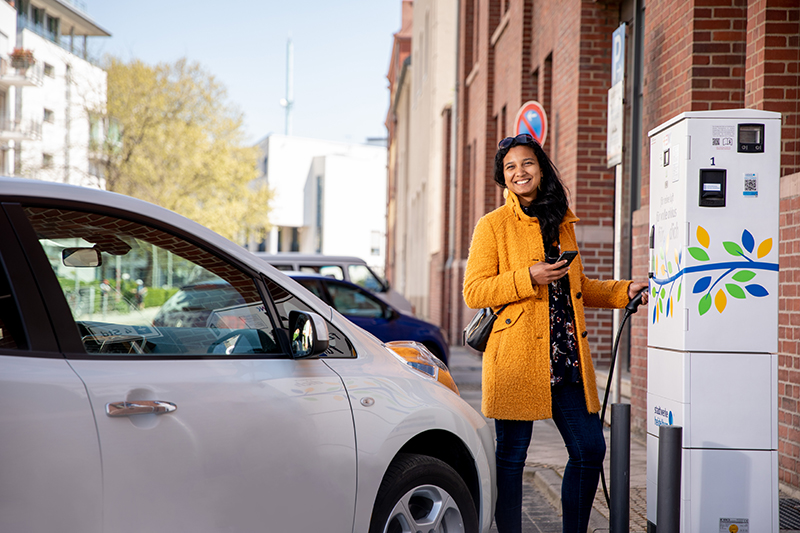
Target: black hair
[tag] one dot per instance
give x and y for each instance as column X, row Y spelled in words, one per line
column 551, row 202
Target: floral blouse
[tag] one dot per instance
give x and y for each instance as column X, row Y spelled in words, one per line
column 564, row 362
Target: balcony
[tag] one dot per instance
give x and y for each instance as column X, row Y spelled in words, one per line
column 72, row 44
column 20, row 77
column 20, row 130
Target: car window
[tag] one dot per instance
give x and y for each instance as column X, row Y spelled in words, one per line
column 351, row 301
column 313, row 286
column 363, row 276
column 150, row 293
column 11, row 336
column 330, row 271
column 286, row 302
column 285, row 268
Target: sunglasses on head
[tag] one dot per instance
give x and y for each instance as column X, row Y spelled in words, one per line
column 522, row 138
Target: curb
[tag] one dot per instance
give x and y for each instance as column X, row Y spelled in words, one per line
column 548, row 482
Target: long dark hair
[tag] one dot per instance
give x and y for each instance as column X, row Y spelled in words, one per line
column 551, row 202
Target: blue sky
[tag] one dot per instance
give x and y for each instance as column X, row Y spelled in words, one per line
column 341, row 56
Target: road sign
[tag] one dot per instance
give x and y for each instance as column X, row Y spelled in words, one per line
column 532, row 119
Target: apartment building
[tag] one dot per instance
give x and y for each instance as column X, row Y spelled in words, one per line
column 50, row 93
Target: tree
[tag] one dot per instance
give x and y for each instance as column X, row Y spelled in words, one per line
column 172, row 140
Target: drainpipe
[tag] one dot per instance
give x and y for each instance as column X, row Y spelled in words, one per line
column 451, row 223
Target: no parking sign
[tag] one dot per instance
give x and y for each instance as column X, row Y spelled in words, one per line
column 532, row 119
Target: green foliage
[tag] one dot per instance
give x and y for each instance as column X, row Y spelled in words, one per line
column 156, row 296
column 176, row 143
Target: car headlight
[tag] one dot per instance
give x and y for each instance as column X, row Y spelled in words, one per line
column 418, row 357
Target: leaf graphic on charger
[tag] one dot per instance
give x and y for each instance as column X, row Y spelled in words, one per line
column 680, row 286
column 669, row 301
column 756, row 290
column 702, row 236
column 698, row 253
column 704, row 304
column 748, row 241
column 701, row 284
column 743, row 276
column 720, row 300
column 735, row 291
column 764, row 248
column 733, row 249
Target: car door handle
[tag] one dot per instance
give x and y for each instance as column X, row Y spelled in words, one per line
column 139, row 408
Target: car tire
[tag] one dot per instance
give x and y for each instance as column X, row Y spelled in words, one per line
column 421, row 493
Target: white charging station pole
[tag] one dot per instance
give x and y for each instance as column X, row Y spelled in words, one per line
column 712, row 365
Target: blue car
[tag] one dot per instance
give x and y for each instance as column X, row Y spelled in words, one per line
column 373, row 314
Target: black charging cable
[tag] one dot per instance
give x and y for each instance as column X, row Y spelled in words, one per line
column 630, row 309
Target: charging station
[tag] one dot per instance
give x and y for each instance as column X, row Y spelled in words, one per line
column 712, row 365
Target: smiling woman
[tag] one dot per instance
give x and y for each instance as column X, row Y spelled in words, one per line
column 537, row 362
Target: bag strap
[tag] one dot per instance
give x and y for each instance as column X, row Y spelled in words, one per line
column 501, row 309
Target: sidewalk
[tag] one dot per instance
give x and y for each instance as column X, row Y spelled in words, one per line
column 547, row 456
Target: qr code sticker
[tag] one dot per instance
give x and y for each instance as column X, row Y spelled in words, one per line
column 750, row 184
column 715, row 141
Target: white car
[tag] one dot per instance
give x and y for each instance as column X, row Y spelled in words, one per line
column 252, row 408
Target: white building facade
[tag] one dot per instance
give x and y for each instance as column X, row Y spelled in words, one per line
column 423, row 99
column 50, row 93
column 329, row 197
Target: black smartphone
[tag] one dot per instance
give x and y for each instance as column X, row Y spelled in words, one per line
column 569, row 255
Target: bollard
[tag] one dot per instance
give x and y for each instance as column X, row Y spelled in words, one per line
column 668, row 501
column 620, row 511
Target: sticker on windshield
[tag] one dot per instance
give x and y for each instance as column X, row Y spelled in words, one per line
column 120, row 332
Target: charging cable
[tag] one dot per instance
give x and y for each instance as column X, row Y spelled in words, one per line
column 630, row 309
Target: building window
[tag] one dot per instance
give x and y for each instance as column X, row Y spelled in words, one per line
column 48, row 116
column 47, row 160
column 49, row 70
column 375, row 245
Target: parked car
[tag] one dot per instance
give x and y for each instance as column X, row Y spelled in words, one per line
column 373, row 314
column 353, row 269
column 157, row 377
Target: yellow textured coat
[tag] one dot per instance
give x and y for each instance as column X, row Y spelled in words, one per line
column 516, row 364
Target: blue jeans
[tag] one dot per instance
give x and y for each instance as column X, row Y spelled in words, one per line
column 583, row 436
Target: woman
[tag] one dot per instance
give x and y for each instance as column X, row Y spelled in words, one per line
column 537, row 363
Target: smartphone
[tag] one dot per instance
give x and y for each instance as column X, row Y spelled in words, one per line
column 569, row 255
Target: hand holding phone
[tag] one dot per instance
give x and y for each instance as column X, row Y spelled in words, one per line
column 568, row 255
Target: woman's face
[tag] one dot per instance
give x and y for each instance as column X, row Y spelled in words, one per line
column 522, row 173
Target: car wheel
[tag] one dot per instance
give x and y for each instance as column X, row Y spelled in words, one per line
column 421, row 493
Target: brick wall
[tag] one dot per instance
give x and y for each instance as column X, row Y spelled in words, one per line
column 789, row 334
column 560, row 53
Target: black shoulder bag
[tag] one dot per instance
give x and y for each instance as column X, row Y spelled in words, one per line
column 477, row 332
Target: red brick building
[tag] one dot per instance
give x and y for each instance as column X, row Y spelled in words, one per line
column 681, row 55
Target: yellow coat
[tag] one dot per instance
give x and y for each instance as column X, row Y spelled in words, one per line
column 516, row 364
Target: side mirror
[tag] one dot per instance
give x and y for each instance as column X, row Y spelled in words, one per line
column 309, row 334
column 81, row 257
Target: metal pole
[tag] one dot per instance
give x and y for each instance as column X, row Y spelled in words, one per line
column 668, row 500
column 620, row 511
